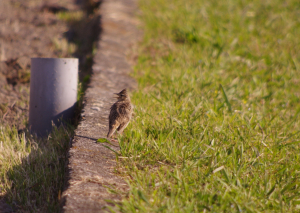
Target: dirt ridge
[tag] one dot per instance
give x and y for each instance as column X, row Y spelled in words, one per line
column 91, row 165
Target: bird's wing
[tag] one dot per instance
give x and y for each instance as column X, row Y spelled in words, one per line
column 113, row 112
column 123, row 109
column 120, row 111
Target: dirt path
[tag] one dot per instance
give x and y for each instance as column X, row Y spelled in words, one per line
column 91, row 164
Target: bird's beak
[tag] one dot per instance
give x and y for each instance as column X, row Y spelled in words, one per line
column 117, row 95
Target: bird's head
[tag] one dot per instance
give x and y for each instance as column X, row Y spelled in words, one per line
column 122, row 96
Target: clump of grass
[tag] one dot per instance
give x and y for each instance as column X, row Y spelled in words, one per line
column 71, row 16
column 32, row 170
column 217, row 109
column 63, row 47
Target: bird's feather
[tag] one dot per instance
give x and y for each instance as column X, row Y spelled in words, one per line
column 120, row 113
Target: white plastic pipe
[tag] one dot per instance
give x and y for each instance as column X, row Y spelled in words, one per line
column 53, row 92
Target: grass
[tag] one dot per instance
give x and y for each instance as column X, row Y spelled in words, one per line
column 71, row 16
column 217, row 109
column 63, row 47
column 32, row 170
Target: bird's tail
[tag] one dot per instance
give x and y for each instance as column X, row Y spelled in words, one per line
column 109, row 134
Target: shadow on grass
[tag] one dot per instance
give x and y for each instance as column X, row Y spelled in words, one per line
column 35, row 168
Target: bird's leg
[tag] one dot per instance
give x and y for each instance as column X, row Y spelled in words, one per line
column 112, row 129
column 122, row 127
column 113, row 140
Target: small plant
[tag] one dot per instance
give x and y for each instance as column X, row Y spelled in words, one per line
column 185, row 36
column 63, row 47
column 70, row 16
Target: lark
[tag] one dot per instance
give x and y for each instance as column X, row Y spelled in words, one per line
column 120, row 114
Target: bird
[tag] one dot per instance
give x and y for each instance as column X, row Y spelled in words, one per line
column 120, row 114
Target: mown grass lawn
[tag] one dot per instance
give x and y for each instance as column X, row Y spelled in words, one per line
column 217, row 110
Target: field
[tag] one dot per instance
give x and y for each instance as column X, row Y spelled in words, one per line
column 216, row 126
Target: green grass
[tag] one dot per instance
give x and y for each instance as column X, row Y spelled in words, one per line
column 71, row 16
column 217, row 109
column 32, row 170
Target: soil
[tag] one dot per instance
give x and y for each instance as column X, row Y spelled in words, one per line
column 26, row 30
column 32, row 28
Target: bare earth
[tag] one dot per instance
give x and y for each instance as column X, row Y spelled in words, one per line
column 27, row 29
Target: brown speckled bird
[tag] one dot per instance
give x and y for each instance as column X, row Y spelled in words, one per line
column 120, row 114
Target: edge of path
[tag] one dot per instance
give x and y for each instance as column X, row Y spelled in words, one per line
column 91, row 165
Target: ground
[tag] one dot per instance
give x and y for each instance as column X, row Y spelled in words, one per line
column 37, row 28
